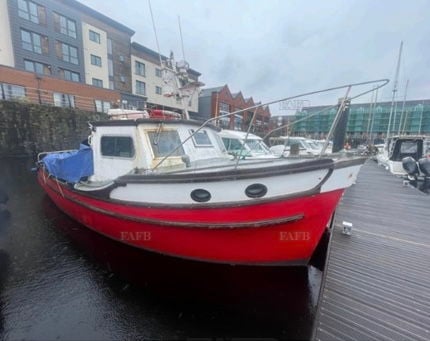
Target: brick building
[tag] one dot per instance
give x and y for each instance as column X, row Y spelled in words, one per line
column 34, row 88
column 214, row 102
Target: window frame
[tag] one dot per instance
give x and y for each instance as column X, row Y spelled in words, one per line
column 97, row 82
column 7, row 93
column 70, row 100
column 31, row 11
column 158, row 90
column 155, row 133
column 138, row 87
column 67, row 57
column 46, row 69
column 94, row 37
column 64, row 72
column 96, row 60
column 139, row 68
column 104, row 106
column 133, row 149
column 65, row 25
column 35, row 43
column 196, row 143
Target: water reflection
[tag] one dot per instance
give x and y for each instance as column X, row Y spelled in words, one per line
column 68, row 282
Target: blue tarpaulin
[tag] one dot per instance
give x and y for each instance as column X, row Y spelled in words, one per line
column 70, row 166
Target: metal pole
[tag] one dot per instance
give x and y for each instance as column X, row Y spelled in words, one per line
column 403, row 106
column 373, row 115
column 335, row 121
column 394, row 89
column 370, row 115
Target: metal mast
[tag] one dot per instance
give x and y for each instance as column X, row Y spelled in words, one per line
column 394, row 89
column 403, row 105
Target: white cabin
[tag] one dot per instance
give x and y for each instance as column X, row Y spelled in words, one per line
column 131, row 146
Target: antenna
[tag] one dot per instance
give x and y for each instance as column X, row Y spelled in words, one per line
column 396, row 78
column 155, row 32
column 182, row 40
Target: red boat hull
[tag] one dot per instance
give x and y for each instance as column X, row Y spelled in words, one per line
column 281, row 232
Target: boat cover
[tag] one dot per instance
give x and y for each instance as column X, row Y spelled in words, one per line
column 70, row 166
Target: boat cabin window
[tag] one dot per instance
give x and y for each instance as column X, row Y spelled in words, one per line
column 408, row 147
column 412, row 148
column 201, row 138
column 118, row 146
column 164, row 142
column 232, row 144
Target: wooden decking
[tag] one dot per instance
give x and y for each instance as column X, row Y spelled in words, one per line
column 376, row 284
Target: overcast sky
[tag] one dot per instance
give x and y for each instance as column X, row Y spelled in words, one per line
column 272, row 49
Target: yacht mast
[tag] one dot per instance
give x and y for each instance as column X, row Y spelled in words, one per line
column 396, row 78
column 403, row 105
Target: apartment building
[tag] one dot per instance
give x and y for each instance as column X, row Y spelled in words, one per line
column 64, row 39
column 148, row 81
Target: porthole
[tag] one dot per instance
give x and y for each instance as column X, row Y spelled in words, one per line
column 200, row 195
column 256, row 191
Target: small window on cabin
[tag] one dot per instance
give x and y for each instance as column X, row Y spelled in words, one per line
column 118, row 146
column 201, row 138
column 408, row 147
column 166, row 143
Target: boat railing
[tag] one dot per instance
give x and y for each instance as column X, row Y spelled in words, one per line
column 348, row 87
column 41, row 155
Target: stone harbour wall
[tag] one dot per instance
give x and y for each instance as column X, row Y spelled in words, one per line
column 27, row 129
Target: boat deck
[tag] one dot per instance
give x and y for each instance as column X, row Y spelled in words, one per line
column 376, row 284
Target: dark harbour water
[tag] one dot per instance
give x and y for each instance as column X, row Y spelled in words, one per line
column 58, row 280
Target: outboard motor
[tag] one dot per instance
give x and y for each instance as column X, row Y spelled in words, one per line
column 410, row 166
column 424, row 165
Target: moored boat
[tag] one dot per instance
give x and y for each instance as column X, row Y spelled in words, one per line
column 167, row 184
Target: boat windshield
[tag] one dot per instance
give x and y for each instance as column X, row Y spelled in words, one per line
column 165, row 143
column 258, row 146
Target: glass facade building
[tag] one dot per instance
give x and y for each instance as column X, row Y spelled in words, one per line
column 365, row 120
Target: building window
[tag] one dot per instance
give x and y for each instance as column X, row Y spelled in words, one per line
column 64, row 25
column 69, row 75
column 34, row 42
column 109, row 45
column 37, row 67
column 95, row 37
column 11, row 92
column 110, row 67
column 140, row 88
column 111, row 85
column 224, row 107
column 158, row 90
column 30, row 11
column 64, row 100
column 97, row 82
column 158, row 72
column 119, row 146
column 67, row 53
column 139, row 68
column 102, row 106
column 96, row 60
